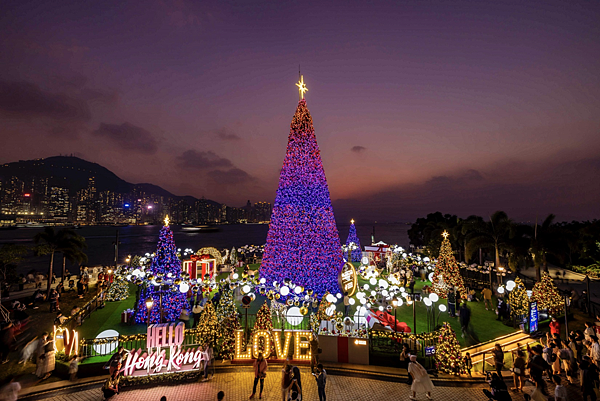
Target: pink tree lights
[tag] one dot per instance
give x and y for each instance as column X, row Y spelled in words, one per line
column 303, row 243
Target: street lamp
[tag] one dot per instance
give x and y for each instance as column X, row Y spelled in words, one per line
column 410, row 301
column 395, row 304
column 149, row 304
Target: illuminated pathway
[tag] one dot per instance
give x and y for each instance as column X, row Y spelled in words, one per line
column 238, row 386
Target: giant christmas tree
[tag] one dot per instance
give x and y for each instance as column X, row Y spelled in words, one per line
column 447, row 273
column 162, row 283
column 353, row 243
column 303, row 243
column 547, row 296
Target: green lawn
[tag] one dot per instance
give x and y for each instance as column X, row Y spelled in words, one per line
column 110, row 318
column 484, row 323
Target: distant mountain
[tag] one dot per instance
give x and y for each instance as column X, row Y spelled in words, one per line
column 74, row 173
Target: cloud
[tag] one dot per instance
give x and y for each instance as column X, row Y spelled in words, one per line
column 27, row 100
column 195, row 160
column 232, row 176
column 358, row 149
column 128, row 137
column 227, row 135
column 522, row 188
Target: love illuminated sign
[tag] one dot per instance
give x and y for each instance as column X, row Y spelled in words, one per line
column 273, row 345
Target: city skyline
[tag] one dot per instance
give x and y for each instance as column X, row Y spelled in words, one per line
column 460, row 107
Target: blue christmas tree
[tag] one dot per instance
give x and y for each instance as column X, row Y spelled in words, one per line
column 303, row 243
column 161, row 283
column 353, row 243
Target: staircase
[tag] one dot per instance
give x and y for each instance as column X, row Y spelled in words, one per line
column 482, row 352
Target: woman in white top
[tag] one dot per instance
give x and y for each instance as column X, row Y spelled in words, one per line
column 421, row 381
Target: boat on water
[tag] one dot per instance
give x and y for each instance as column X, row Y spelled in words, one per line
column 199, row 228
column 120, row 225
column 30, row 224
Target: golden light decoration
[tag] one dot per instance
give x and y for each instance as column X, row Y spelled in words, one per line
column 352, row 221
column 300, row 344
column 301, row 87
column 282, row 352
column 445, row 234
column 167, row 221
column 266, row 336
column 303, row 311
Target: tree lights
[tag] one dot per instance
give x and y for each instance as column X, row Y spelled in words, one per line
column 353, row 244
column 448, row 356
column 303, row 243
column 161, row 283
column 546, row 294
column 447, row 274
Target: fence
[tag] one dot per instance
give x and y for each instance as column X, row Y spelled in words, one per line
column 108, row 345
column 385, row 346
column 85, row 311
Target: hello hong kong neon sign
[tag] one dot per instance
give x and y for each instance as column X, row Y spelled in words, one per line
column 159, row 339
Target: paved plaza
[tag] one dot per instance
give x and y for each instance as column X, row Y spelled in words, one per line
column 238, row 386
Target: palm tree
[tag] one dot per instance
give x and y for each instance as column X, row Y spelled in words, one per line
column 64, row 241
column 546, row 239
column 493, row 234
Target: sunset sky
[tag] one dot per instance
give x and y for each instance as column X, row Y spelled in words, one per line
column 466, row 107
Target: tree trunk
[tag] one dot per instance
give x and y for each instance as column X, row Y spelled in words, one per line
column 497, row 257
column 64, row 268
column 50, row 273
column 538, row 274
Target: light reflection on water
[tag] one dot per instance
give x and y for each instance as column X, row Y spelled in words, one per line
column 137, row 240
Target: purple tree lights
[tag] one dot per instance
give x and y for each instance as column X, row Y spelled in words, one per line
column 353, row 244
column 303, row 243
column 161, row 283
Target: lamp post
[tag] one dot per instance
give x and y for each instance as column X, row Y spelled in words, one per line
column 434, row 298
column 410, row 301
column 395, row 304
column 149, row 304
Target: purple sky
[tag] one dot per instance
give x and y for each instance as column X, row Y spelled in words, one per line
column 465, row 107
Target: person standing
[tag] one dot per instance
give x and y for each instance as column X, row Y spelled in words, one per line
column 286, row 381
column 537, row 366
column 314, row 352
column 554, row 327
column 519, row 371
column 589, row 376
column 41, row 343
column 465, row 318
column 404, row 360
column 468, row 363
column 498, row 359
column 421, row 381
column 46, row 359
column 487, row 298
column 321, row 377
column 208, row 356
column 260, row 372
column 73, row 367
column 452, row 303
column 346, row 304
column 54, row 300
column 8, row 338
column 296, row 387
column 111, row 386
column 220, row 396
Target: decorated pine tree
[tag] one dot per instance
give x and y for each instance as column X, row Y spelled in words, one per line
column 321, row 312
column 546, row 294
column 447, row 273
column 161, row 283
column 264, row 322
column 353, row 244
column 208, row 326
column 518, row 299
column 233, row 256
column 118, row 291
column 228, row 328
column 303, row 243
column 226, row 307
column 448, row 357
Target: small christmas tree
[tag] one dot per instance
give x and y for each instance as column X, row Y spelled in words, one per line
column 518, row 299
column 118, row 291
column 322, row 311
column 447, row 273
column 263, row 322
column 162, row 275
column 226, row 307
column 353, row 244
column 447, row 355
column 208, row 326
column 546, row 294
column 229, row 326
column 233, row 256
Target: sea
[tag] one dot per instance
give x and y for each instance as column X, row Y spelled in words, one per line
column 138, row 240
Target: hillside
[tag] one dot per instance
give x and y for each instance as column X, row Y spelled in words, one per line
column 74, row 173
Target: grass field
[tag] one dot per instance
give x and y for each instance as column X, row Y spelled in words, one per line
column 484, row 323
